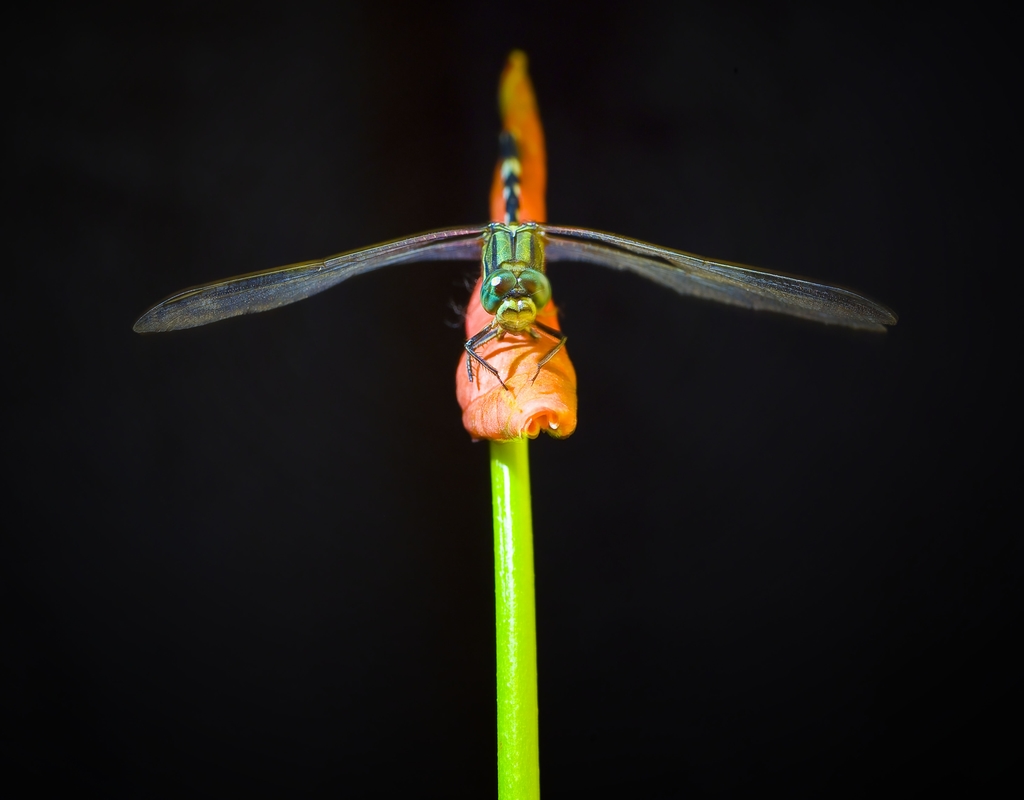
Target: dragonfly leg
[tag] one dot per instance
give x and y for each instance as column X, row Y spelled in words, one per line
column 484, row 336
column 561, row 337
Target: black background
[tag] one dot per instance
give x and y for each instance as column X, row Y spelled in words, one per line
column 256, row 557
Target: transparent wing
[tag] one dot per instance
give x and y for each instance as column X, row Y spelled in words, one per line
column 262, row 291
column 735, row 284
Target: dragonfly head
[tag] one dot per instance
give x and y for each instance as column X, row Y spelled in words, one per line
column 515, row 287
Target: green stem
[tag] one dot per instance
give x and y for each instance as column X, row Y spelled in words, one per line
column 515, row 622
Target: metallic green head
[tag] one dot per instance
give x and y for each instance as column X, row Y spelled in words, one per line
column 515, row 287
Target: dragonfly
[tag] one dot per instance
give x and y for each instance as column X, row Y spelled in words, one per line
column 513, row 256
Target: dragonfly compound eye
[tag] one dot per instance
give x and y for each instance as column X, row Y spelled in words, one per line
column 495, row 288
column 536, row 285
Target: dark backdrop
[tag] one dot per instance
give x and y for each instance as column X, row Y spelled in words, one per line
column 256, row 557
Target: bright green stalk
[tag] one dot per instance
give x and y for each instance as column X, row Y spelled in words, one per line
column 515, row 622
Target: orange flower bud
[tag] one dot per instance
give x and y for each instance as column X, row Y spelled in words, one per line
column 530, row 401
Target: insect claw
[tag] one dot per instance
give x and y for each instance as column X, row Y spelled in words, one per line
column 494, row 372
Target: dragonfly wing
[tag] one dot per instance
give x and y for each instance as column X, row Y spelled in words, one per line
column 725, row 282
column 262, row 291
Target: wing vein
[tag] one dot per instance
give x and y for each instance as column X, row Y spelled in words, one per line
column 722, row 281
column 267, row 289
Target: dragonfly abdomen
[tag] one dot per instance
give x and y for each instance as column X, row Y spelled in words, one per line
column 508, row 153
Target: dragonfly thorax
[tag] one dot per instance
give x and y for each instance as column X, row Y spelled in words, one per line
column 515, row 287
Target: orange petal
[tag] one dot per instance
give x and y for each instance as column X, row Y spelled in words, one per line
column 517, row 105
column 527, row 406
